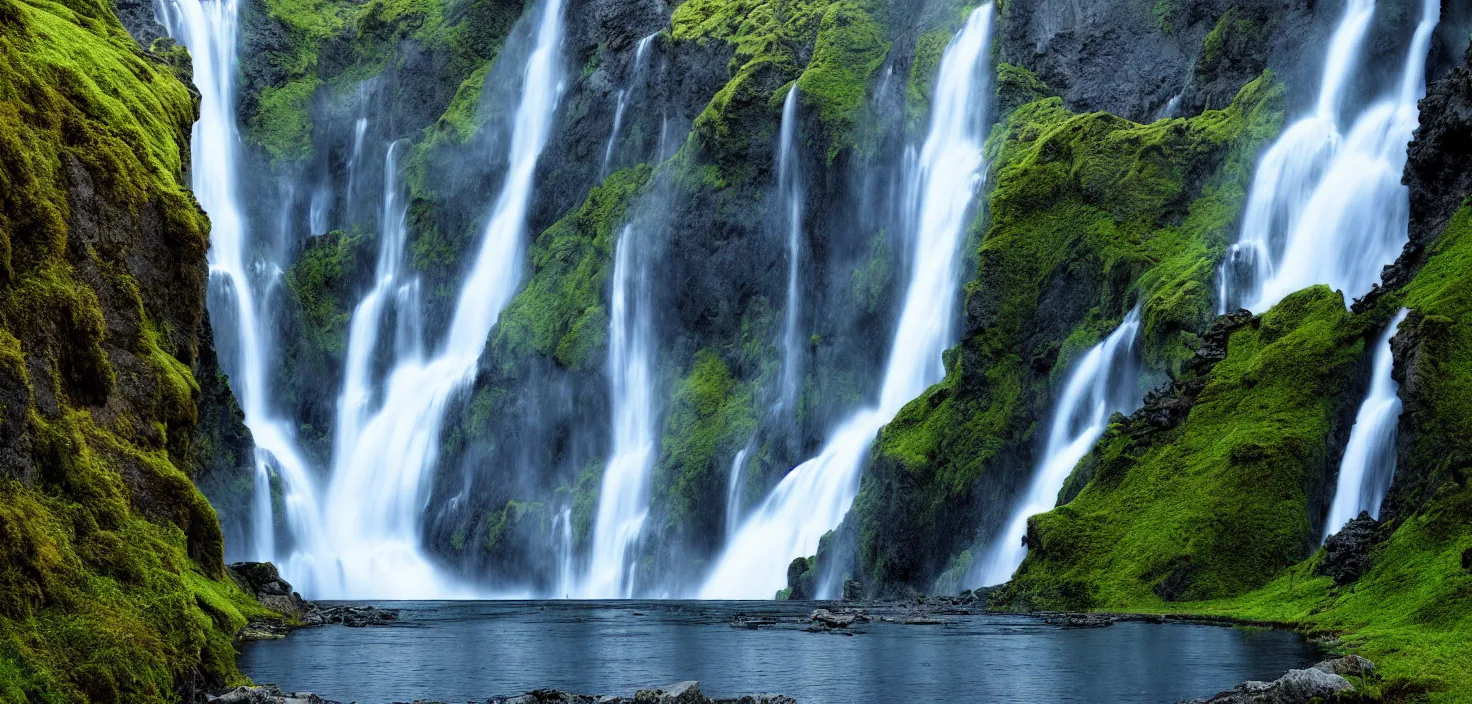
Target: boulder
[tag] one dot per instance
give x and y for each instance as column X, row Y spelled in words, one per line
column 853, row 591
column 1296, row 687
column 261, row 580
column 1348, row 551
column 1347, row 666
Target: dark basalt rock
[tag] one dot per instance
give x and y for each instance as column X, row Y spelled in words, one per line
column 1349, row 549
column 262, row 580
column 1438, row 174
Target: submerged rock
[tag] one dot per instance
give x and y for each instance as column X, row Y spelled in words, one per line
column 679, row 693
column 267, row 694
column 1079, row 620
column 1348, row 551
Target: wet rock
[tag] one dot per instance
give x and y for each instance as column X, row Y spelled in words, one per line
column 1079, row 620
column 261, row 580
column 266, row 694
column 350, row 616
column 680, row 693
column 751, row 622
column 852, row 590
column 829, row 619
column 1348, row 551
column 1296, row 687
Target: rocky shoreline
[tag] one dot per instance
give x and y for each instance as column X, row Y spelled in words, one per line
column 264, row 582
column 679, row 693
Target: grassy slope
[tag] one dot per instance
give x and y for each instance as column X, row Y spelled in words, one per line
column 1090, row 214
column 1223, row 491
column 111, row 582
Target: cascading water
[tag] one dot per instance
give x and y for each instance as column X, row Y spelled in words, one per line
column 623, row 501
column 1324, row 208
column 208, row 29
column 813, row 497
column 1105, row 380
column 1369, row 458
column 789, row 182
column 733, row 493
column 621, row 100
column 376, row 496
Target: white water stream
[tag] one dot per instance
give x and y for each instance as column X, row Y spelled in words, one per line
column 1105, row 380
column 623, row 501
column 1325, row 207
column 239, row 277
column 1369, row 458
column 813, row 497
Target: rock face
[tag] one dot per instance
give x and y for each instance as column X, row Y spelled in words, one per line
column 1298, row 686
column 1348, row 551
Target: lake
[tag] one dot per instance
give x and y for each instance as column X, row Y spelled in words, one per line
column 464, row 651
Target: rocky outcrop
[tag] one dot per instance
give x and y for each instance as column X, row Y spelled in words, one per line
column 261, row 580
column 1298, row 686
column 1347, row 553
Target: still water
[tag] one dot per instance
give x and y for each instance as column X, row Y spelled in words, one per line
column 464, row 651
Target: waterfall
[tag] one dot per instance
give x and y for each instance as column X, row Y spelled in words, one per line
column 380, row 473
column 813, row 497
column 733, row 493
column 623, row 500
column 1369, row 458
column 1103, row 381
column 621, row 100
column 789, row 183
column 562, row 530
column 208, row 29
column 1325, row 208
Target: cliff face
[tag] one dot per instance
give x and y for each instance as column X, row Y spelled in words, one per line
column 110, row 560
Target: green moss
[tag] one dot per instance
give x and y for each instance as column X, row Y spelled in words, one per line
column 560, row 313
column 711, row 416
column 282, row 124
column 320, row 279
column 1222, row 500
column 1090, row 214
column 1218, row 506
column 769, row 39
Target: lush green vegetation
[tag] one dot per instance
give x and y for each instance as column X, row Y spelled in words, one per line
column 336, row 43
column 112, row 587
column 711, row 415
column 1220, row 503
column 560, row 312
column 321, row 279
column 1091, row 214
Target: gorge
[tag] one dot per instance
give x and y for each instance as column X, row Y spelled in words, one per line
column 1122, row 307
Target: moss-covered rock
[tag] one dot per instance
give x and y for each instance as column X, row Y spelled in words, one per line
column 1090, row 215
column 112, row 586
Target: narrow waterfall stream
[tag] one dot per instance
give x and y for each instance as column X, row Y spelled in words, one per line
column 1325, row 207
column 1369, row 458
column 789, row 184
column 621, row 101
column 1103, row 381
column 208, row 30
column 376, row 496
column 813, row 497
column 623, row 502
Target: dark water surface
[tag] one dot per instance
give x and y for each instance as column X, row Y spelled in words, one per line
column 462, row 651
